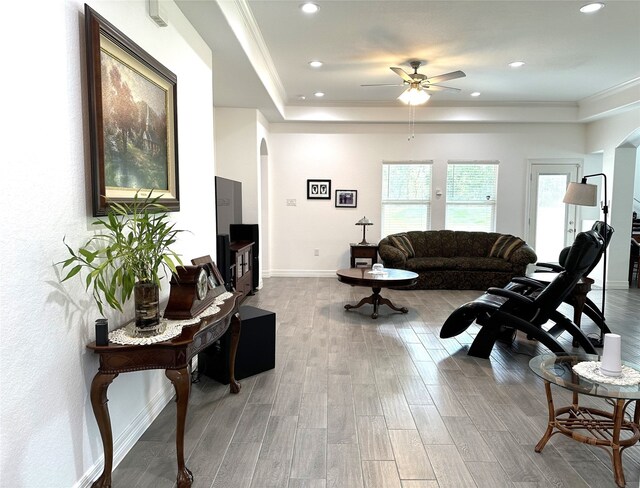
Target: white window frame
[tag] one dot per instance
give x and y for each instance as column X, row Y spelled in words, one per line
column 491, row 202
column 427, row 201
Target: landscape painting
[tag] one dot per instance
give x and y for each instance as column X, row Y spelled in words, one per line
column 133, row 120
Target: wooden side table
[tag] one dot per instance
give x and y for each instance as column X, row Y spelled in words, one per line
column 363, row 255
column 613, row 431
column 173, row 356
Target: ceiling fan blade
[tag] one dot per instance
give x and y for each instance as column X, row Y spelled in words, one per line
column 440, row 88
column 402, row 74
column 386, row 84
column 448, row 76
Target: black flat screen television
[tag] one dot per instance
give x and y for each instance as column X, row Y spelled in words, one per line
column 228, row 204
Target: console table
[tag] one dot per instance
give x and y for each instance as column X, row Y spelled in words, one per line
column 173, row 356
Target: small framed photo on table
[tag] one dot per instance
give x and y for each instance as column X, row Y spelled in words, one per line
column 347, row 198
column 318, row 189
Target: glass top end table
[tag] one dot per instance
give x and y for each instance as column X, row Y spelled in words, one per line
column 608, row 430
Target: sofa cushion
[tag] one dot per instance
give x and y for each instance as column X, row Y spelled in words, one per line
column 402, row 242
column 459, row 263
column 504, row 246
column 422, row 264
column 482, row 264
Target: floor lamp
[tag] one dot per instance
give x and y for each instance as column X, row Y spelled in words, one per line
column 585, row 194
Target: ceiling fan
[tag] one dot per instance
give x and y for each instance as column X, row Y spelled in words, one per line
column 415, row 94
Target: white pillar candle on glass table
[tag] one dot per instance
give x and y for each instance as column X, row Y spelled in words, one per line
column 611, row 362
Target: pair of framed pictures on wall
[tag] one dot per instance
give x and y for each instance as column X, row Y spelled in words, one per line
column 321, row 190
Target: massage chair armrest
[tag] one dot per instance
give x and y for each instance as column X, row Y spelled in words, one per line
column 553, row 268
column 501, row 292
column 523, row 280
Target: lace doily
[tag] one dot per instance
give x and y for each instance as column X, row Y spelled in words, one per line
column 169, row 329
column 591, row 371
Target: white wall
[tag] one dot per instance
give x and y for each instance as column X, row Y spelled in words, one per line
column 238, row 155
column 351, row 156
column 606, row 136
column 48, row 435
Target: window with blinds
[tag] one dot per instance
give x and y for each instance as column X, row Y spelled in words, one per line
column 471, row 195
column 406, row 197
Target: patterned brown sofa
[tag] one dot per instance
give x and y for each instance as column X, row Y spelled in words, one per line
column 457, row 260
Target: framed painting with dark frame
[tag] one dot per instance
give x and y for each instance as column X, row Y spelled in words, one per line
column 347, row 198
column 133, row 121
column 318, row 189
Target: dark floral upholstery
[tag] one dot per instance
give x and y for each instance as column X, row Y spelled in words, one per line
column 456, row 260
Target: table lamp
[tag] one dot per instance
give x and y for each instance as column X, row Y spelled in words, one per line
column 364, row 222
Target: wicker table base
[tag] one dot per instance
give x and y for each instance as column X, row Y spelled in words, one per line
column 608, row 430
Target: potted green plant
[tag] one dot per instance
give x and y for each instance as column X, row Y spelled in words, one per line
column 130, row 254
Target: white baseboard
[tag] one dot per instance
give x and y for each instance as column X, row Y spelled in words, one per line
column 303, row 273
column 123, row 444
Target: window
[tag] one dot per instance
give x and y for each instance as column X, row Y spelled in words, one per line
column 406, row 197
column 471, row 195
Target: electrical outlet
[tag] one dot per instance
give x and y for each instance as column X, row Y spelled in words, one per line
column 316, row 252
column 291, row 202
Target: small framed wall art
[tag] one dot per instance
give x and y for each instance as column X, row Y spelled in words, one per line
column 318, row 189
column 133, row 120
column 347, row 198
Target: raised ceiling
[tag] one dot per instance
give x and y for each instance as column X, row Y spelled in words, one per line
column 262, row 48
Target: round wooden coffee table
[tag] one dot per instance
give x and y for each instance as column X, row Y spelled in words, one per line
column 364, row 277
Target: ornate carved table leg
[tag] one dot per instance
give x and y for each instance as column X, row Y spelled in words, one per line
column 182, row 383
column 552, row 419
column 234, row 386
column 99, row 386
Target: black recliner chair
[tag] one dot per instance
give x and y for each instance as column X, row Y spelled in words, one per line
column 500, row 308
column 529, row 287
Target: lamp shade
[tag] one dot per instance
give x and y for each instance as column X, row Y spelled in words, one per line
column 364, row 221
column 414, row 96
column 581, row 194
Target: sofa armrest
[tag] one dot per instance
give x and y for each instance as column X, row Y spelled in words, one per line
column 523, row 255
column 391, row 256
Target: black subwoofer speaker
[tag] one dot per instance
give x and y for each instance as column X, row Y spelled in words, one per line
column 256, row 348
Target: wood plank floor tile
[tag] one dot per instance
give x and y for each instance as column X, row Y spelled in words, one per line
column 410, row 455
column 380, row 474
column 344, row 468
column 450, row 469
column 373, row 438
column 310, row 454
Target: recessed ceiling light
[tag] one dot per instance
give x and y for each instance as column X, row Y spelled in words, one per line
column 315, row 64
column 309, row 8
column 591, row 7
column 301, row 97
column 516, row 64
column 475, row 94
column 319, row 94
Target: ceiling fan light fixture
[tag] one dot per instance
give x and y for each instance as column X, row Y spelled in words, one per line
column 591, row 7
column 414, row 96
column 309, row 8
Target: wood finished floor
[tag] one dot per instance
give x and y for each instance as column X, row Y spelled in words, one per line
column 386, row 403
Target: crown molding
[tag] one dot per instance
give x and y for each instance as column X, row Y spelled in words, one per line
column 612, row 101
column 244, row 26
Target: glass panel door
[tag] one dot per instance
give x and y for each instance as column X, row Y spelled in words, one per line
column 552, row 223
